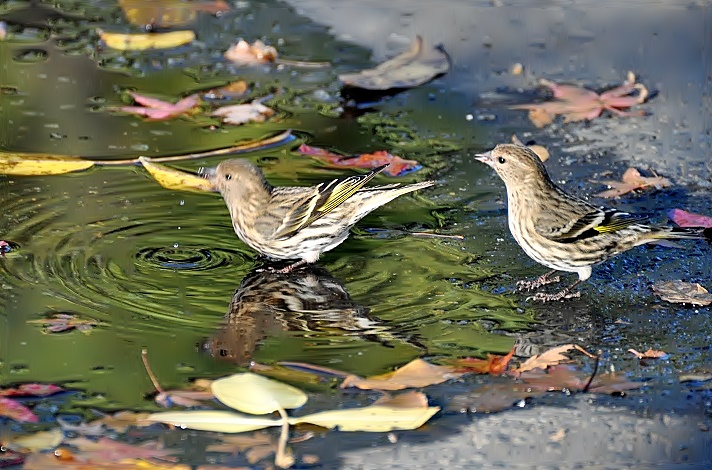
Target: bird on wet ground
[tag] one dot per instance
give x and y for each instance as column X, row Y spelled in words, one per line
column 562, row 231
column 293, row 222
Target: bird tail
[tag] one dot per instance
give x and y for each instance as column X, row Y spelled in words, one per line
column 680, row 233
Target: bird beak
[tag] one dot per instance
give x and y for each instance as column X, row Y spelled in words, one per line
column 485, row 157
column 207, row 173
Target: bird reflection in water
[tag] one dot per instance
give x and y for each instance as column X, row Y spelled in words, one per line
column 309, row 300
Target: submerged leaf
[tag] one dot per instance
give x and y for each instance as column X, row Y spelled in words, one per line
column 170, row 178
column 218, row 421
column 397, row 166
column 681, row 292
column 374, row 418
column 415, row 67
column 35, row 164
column 143, row 41
column 415, row 374
column 254, row 394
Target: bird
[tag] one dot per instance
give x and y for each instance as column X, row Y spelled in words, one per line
column 562, row 231
column 294, row 222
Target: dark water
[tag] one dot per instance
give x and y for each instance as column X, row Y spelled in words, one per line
column 163, row 270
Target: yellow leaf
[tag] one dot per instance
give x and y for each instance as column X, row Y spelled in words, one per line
column 417, row 373
column 218, row 421
column 143, row 41
column 374, row 418
column 38, row 441
column 257, row 395
column 170, row 178
column 31, row 164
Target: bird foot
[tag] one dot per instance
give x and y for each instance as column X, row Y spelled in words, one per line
column 543, row 280
column 290, row 268
column 564, row 294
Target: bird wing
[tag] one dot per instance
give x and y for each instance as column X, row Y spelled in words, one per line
column 325, row 198
column 588, row 225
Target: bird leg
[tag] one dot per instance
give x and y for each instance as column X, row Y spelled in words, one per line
column 538, row 282
column 561, row 295
column 291, row 267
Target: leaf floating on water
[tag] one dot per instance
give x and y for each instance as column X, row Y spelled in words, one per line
column 254, row 394
column 243, row 53
column 218, row 421
column 31, row 390
column 550, row 357
column 37, row 164
column 493, row 365
column 688, row 219
column 680, row 292
column 17, row 411
column 649, row 354
column 415, row 67
column 415, row 374
column 632, row 181
column 144, row 41
column 37, row 441
column 243, row 113
column 397, row 166
column 158, row 110
column 166, row 13
column 170, row 178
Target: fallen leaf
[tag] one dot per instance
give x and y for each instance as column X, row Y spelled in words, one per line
column 63, row 322
column 14, row 410
column 412, row 68
column 158, row 110
column 578, row 104
column 243, row 53
column 243, row 113
column 493, row 365
column 122, row 420
column 236, row 89
column 397, row 166
column 173, row 179
column 566, row 378
column 490, row 398
column 415, row 374
column 254, row 394
column 550, row 357
column 374, row 418
column 218, row 421
column 688, row 219
column 31, row 390
column 110, row 450
column 539, row 150
column 632, row 181
column 649, row 354
column 35, row 442
column 681, row 292
column 37, row 164
column 166, row 13
column 144, row 41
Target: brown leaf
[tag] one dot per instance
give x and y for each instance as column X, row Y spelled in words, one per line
column 631, row 181
column 540, row 117
column 122, row 420
column 551, row 357
column 397, row 166
column 649, row 354
column 167, row 13
column 681, row 292
column 493, row 365
column 415, row 67
column 415, row 374
column 410, row 399
column 236, row 89
column 566, row 377
column 491, row 398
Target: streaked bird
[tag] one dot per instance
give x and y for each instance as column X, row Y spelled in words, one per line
column 294, row 222
column 561, row 231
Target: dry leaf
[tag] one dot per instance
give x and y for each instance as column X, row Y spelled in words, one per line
column 631, row 181
column 122, row 420
column 578, row 104
column 143, row 41
column 415, row 374
column 415, row 67
column 566, row 378
column 36, row 164
column 243, row 113
column 493, row 365
column 649, row 354
column 170, row 178
column 243, row 53
column 681, row 292
column 688, row 219
column 493, row 397
column 551, row 357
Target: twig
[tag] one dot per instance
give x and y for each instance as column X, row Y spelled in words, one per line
column 593, row 374
column 144, row 358
column 282, row 458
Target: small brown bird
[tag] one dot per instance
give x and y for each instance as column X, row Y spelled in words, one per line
column 298, row 222
column 561, row 231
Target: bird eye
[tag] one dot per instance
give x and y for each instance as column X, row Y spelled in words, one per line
column 501, row 160
column 228, row 177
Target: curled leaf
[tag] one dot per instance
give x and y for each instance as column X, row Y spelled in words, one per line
column 632, row 181
column 143, row 41
column 415, row 67
column 170, row 178
column 35, row 164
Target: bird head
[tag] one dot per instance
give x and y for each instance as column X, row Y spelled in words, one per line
column 237, row 177
column 515, row 164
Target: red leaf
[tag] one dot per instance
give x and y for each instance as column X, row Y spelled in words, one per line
column 33, row 389
column 688, row 219
column 14, row 410
column 397, row 166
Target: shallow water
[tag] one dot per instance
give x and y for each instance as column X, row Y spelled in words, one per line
column 163, row 270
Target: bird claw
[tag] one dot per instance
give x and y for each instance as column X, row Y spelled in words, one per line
column 564, row 294
column 526, row 286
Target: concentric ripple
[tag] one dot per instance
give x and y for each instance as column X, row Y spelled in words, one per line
column 112, row 245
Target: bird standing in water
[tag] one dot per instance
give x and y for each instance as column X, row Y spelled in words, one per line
column 561, row 231
column 294, row 222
